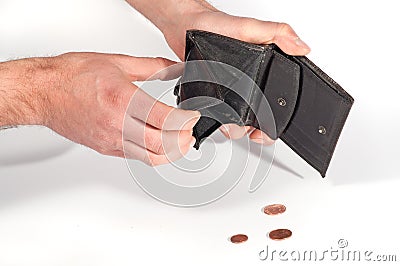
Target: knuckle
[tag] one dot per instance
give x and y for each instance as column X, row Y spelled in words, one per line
column 153, row 143
column 102, row 150
column 162, row 62
column 116, row 144
column 284, row 29
column 112, row 125
column 111, row 96
column 159, row 118
column 145, row 158
column 185, row 134
column 104, row 123
column 185, row 137
column 155, row 160
column 150, row 159
column 108, row 142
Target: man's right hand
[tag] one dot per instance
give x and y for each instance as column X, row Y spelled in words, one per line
column 84, row 97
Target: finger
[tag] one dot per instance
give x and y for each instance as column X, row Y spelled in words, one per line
column 260, row 137
column 136, row 152
column 155, row 140
column 233, row 131
column 287, row 39
column 266, row 32
column 115, row 153
column 159, row 115
column 144, row 68
column 257, row 31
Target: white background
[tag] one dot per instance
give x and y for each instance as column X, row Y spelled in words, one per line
column 63, row 204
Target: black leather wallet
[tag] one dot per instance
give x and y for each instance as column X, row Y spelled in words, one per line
column 308, row 107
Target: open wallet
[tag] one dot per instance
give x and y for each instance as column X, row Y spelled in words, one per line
column 308, row 108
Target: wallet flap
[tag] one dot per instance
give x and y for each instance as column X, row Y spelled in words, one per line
column 308, row 107
column 281, row 89
column 322, row 109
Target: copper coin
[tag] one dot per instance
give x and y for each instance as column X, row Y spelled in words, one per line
column 239, row 238
column 280, row 234
column 274, row 209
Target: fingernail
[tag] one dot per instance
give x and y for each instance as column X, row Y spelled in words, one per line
column 193, row 142
column 259, row 141
column 263, row 141
column 194, row 117
column 299, row 42
column 235, row 131
column 224, row 130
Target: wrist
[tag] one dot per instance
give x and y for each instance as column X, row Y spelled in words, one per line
column 182, row 18
column 24, row 91
column 171, row 15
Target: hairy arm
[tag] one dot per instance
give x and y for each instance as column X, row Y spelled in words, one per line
column 23, row 98
column 84, row 97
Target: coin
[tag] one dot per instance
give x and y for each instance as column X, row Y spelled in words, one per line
column 274, row 209
column 280, row 234
column 239, row 238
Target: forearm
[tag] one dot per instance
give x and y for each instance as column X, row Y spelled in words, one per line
column 23, row 91
column 165, row 14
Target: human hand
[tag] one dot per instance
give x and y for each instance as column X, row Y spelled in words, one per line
column 247, row 29
column 84, row 97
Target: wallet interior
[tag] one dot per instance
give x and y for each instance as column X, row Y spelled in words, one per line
column 309, row 109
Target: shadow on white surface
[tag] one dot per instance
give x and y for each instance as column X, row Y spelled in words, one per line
column 277, row 162
column 24, row 145
column 367, row 151
column 73, row 171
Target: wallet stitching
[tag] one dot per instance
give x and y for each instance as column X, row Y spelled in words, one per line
column 218, row 91
column 284, row 59
column 327, row 79
column 261, row 50
column 296, row 68
column 337, row 129
column 262, row 81
column 250, row 46
column 306, row 135
column 306, row 155
column 257, row 77
column 339, row 124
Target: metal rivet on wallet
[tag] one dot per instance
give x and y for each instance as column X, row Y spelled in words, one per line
column 321, row 130
column 281, row 101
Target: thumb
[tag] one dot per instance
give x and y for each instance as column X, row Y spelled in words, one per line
column 263, row 32
column 287, row 39
column 266, row 32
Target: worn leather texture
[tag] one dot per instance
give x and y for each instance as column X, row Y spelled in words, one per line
column 309, row 109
